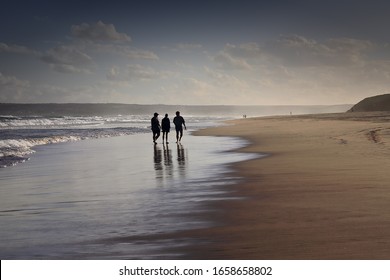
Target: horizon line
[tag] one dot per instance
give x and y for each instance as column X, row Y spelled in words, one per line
column 161, row 104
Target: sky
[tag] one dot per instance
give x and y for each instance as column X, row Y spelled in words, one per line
column 275, row 52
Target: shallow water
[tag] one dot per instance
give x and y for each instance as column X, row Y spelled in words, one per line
column 70, row 198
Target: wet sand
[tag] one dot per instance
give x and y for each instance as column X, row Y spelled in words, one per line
column 322, row 191
column 111, row 198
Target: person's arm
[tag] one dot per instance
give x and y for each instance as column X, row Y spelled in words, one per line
column 184, row 123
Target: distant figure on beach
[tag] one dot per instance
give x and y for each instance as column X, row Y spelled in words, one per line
column 155, row 127
column 166, row 126
column 179, row 123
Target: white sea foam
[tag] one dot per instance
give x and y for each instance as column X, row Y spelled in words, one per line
column 19, row 122
column 19, row 135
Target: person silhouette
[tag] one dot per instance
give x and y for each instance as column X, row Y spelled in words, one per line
column 179, row 123
column 166, row 126
column 155, row 127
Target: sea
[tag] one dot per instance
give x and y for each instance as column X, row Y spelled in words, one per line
column 85, row 181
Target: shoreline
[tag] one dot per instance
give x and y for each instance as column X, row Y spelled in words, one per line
column 321, row 193
column 112, row 198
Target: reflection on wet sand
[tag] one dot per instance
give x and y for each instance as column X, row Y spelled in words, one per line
column 164, row 165
column 167, row 160
column 158, row 161
column 181, row 159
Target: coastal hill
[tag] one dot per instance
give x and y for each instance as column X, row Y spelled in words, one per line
column 373, row 103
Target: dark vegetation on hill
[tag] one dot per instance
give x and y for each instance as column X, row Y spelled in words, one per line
column 373, row 103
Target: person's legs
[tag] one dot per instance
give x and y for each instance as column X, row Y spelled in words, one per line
column 165, row 136
column 156, row 134
column 179, row 134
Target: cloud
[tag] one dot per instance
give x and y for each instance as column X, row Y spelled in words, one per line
column 67, row 59
column 186, row 47
column 17, row 49
column 300, row 70
column 192, row 91
column 11, row 81
column 131, row 53
column 289, row 69
column 98, row 32
column 351, row 51
column 220, row 89
column 134, row 72
column 104, row 38
column 226, row 61
column 244, row 51
column 223, row 80
column 237, row 57
column 138, row 54
column 12, row 89
column 298, row 51
column 21, row 91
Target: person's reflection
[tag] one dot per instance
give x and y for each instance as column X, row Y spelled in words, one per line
column 167, row 160
column 164, row 166
column 181, row 159
column 158, row 162
column 163, row 162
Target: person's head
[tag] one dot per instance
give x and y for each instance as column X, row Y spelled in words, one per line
column 155, row 114
column 177, row 113
column 166, row 115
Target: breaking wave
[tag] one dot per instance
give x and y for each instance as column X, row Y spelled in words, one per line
column 19, row 135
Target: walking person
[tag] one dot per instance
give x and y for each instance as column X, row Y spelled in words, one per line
column 179, row 123
column 155, row 127
column 166, row 126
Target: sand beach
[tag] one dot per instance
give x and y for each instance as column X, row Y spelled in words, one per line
column 321, row 192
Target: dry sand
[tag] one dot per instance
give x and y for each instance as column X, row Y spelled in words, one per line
column 322, row 191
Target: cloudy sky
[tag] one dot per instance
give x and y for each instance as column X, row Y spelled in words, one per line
column 194, row 52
